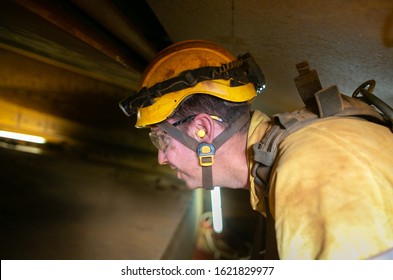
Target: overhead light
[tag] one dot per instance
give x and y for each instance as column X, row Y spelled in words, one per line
column 216, row 209
column 23, row 137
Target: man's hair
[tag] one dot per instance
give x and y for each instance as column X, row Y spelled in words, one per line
column 228, row 111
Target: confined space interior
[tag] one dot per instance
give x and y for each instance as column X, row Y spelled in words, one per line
column 94, row 189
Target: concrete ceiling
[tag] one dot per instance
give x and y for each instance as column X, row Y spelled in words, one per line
column 97, row 49
column 346, row 41
column 106, row 45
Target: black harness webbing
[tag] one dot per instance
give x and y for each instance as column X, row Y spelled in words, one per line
column 265, row 248
column 193, row 144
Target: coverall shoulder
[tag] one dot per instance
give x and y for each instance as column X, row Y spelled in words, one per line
column 331, row 189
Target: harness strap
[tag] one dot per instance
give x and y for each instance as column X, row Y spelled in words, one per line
column 265, row 248
column 230, row 131
column 329, row 102
column 179, row 135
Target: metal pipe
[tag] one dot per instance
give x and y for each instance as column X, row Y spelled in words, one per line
column 111, row 17
column 70, row 24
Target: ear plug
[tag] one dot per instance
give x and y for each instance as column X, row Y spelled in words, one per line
column 201, row 133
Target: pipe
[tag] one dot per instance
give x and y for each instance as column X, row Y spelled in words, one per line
column 70, row 24
column 111, row 17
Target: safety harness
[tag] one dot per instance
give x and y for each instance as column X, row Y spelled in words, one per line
column 321, row 104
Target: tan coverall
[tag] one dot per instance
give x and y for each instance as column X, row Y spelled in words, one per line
column 331, row 189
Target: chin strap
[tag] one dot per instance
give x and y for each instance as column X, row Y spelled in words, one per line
column 205, row 151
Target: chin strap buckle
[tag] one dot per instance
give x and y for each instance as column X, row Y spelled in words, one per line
column 206, row 154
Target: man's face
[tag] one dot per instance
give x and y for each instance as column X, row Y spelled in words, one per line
column 179, row 157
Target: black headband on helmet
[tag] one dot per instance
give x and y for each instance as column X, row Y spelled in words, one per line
column 242, row 71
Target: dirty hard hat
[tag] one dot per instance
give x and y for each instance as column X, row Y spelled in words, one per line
column 192, row 67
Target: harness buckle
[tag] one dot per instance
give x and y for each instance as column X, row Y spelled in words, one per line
column 206, row 154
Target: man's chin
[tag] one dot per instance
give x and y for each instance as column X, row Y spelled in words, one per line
column 189, row 184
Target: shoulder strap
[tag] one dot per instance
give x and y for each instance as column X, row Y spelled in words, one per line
column 265, row 242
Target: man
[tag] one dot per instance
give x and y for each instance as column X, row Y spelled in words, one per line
column 331, row 183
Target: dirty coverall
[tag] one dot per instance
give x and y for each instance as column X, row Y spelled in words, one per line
column 331, row 189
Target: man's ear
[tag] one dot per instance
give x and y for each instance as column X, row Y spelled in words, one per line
column 203, row 128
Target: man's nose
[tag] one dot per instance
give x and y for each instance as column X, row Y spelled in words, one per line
column 162, row 158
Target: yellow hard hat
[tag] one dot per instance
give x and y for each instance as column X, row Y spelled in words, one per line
column 191, row 67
